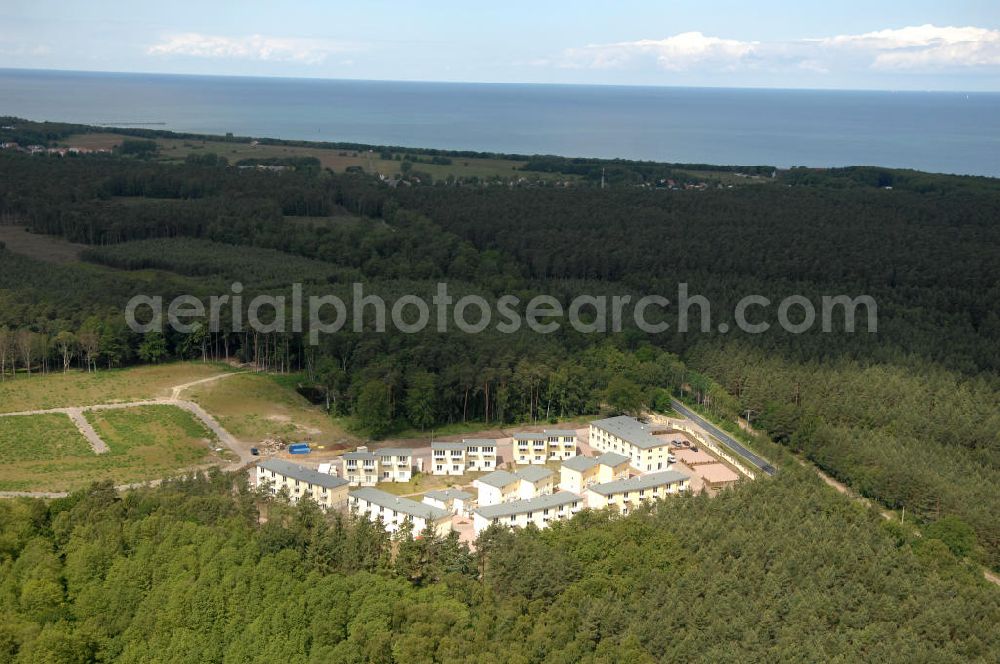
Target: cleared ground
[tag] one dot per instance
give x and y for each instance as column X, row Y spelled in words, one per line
column 48, row 248
column 255, row 407
column 47, row 453
column 38, row 438
column 86, row 389
column 161, row 436
column 338, row 160
column 422, row 483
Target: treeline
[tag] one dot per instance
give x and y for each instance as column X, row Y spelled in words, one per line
column 628, row 172
column 201, row 570
column 262, row 268
column 892, row 178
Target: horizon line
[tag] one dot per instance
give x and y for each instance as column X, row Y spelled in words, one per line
column 499, row 83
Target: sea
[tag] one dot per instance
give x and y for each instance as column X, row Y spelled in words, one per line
column 945, row 132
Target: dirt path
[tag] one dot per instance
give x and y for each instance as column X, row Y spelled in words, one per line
column 175, row 391
column 76, row 414
column 889, row 516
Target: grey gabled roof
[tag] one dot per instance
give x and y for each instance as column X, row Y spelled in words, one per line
column 530, row 505
column 612, row 459
column 580, row 463
column 301, row 473
column 442, row 445
column 448, row 494
column 401, row 505
column 533, row 473
column 359, row 456
column 394, row 451
column 529, row 435
column 499, row 479
column 560, row 432
column 641, row 482
column 632, row 431
column 480, row 441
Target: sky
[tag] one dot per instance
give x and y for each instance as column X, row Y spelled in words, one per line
column 846, row 44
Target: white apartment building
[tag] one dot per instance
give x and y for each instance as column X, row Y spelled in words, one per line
column 480, row 454
column 326, row 490
column 540, row 511
column 534, row 482
column 361, row 467
column 580, row 472
column 448, row 458
column 561, row 443
column 532, row 448
column 502, row 486
column 395, row 464
column 646, row 446
column 392, row 512
column 455, row 501
column 625, row 495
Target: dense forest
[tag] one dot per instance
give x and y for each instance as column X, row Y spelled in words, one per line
column 199, row 571
column 907, row 416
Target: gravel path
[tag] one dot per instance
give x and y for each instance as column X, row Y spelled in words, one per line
column 76, row 413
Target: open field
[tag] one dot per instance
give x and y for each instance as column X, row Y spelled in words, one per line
column 40, row 437
column 86, row 389
column 424, row 482
column 48, row 248
column 338, row 160
column 96, row 141
column 161, row 436
column 146, row 443
column 255, row 407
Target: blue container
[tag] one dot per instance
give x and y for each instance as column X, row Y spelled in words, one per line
column 299, row 448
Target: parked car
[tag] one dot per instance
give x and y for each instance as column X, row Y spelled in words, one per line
column 254, row 451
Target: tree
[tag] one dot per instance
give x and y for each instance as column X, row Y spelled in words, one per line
column 333, row 378
column 956, row 534
column 372, row 408
column 25, row 342
column 6, row 344
column 115, row 347
column 153, row 348
column 625, row 396
column 67, row 344
column 90, row 342
column 420, row 399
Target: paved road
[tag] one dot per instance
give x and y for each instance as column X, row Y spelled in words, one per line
column 730, row 442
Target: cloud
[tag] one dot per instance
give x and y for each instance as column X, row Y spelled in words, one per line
column 915, row 48
column 251, row 47
column 677, row 53
column 925, row 47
